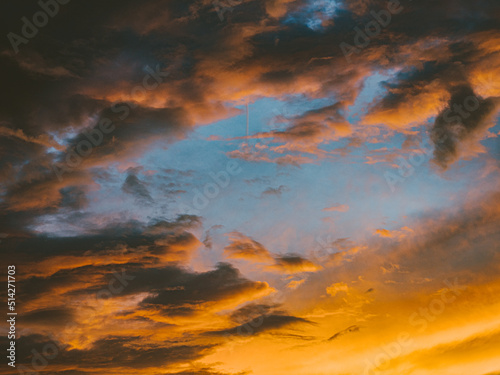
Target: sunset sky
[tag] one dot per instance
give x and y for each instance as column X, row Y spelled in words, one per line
column 251, row 187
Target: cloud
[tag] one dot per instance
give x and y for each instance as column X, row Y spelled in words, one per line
column 50, row 316
column 301, row 141
column 461, row 125
column 223, row 285
column 243, row 247
column 19, row 197
column 116, row 243
column 473, row 348
column 270, row 191
column 289, row 264
column 261, row 324
column 252, row 311
column 399, row 234
column 43, row 140
column 337, row 208
column 350, row 329
column 295, row 283
column 137, row 188
column 336, row 288
column 128, row 350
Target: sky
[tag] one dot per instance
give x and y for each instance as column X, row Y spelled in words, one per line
column 250, row 187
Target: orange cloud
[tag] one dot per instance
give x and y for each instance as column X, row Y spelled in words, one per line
column 337, row 208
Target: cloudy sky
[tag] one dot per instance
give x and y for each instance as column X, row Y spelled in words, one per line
column 267, row 187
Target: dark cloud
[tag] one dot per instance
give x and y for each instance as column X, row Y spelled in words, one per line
column 461, row 124
column 172, row 289
column 73, row 197
column 243, row 247
column 52, row 316
column 137, row 188
column 182, row 221
column 275, row 191
column 127, row 351
column 188, row 291
column 294, row 263
column 261, row 324
column 70, row 259
column 350, row 329
column 251, row 311
column 128, row 132
column 132, row 235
